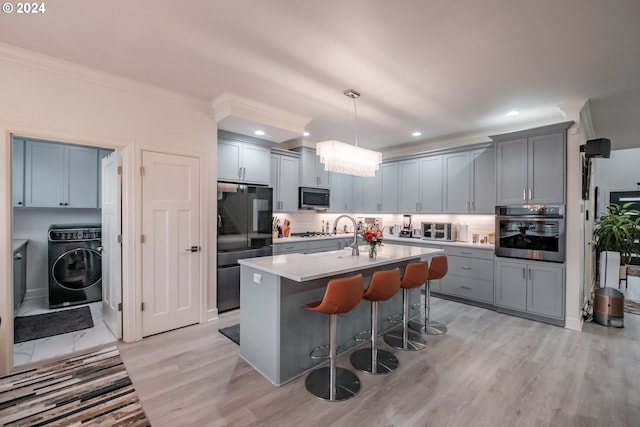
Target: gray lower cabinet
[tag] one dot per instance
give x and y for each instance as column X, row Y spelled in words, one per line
column 534, row 289
column 19, row 275
column 311, row 246
column 470, row 274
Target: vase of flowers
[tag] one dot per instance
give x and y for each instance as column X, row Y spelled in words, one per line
column 373, row 237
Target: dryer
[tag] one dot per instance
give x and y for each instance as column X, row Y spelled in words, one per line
column 75, row 264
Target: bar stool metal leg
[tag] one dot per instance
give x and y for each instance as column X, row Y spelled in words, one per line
column 372, row 360
column 428, row 326
column 405, row 339
column 332, row 383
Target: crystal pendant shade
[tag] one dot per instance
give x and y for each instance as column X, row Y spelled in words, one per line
column 348, row 159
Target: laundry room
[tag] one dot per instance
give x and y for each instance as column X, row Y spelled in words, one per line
column 56, row 192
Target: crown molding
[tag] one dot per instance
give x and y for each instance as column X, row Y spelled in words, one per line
column 91, row 75
column 237, row 114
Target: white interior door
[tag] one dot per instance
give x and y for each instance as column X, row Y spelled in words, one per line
column 112, row 252
column 171, row 242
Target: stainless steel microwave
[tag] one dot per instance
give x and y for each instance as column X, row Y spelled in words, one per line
column 313, row 198
column 437, row 231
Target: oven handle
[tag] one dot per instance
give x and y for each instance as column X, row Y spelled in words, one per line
column 529, row 217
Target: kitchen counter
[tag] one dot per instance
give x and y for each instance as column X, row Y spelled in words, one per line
column 304, row 267
column 418, row 241
column 389, row 239
column 18, row 243
column 277, row 334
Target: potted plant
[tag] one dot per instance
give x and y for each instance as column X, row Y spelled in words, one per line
column 615, row 236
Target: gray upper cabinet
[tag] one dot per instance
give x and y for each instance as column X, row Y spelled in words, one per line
column 420, row 185
column 60, row 175
column 470, row 181
column 341, row 196
column 371, row 193
column 389, row 187
column 17, row 172
column 409, row 186
column 457, row 182
column 241, row 161
column 284, row 180
column 431, row 184
column 483, row 183
column 531, row 165
column 312, row 173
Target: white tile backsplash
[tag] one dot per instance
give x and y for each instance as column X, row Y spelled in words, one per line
column 303, row 221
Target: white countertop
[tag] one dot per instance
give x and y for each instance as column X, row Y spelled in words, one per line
column 389, row 239
column 17, row 243
column 292, row 239
column 417, row 241
column 303, row 267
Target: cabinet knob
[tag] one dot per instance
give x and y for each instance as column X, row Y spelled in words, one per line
column 19, row 203
column 17, row 256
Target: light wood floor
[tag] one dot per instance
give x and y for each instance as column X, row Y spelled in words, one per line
column 490, row 369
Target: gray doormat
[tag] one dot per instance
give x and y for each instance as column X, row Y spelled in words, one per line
column 232, row 332
column 29, row 328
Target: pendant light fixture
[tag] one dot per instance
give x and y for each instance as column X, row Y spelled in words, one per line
column 348, row 159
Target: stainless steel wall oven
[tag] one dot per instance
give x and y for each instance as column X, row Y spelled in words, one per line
column 535, row 232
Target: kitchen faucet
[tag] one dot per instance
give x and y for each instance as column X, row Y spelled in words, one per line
column 354, row 246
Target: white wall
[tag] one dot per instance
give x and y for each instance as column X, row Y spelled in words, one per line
column 50, row 99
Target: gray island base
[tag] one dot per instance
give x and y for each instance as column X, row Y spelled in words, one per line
column 277, row 334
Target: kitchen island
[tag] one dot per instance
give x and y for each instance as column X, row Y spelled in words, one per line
column 277, row 334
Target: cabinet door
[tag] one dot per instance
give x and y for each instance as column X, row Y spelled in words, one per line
column 81, row 177
column 102, row 153
column 511, row 285
column 389, row 187
column 409, row 186
column 431, row 184
column 229, row 160
column 17, row 172
column 275, row 181
column 545, row 290
column 44, row 174
column 357, row 193
column 289, row 173
column 323, row 175
column 546, row 176
column 511, row 169
column 457, row 183
column 336, row 197
column 483, row 197
column 372, row 193
column 256, row 164
column 308, row 165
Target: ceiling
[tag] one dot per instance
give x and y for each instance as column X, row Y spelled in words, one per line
column 440, row 67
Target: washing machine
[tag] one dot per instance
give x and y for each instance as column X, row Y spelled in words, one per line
column 75, row 264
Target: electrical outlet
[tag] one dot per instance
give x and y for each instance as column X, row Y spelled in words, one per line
column 257, row 278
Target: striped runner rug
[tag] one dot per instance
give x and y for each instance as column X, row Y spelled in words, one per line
column 90, row 389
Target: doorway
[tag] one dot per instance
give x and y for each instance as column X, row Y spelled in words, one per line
column 56, row 186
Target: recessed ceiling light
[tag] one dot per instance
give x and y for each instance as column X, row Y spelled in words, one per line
column 416, row 134
column 306, row 134
column 513, row 113
column 259, row 132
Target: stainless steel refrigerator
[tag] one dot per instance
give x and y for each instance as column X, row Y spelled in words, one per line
column 244, row 231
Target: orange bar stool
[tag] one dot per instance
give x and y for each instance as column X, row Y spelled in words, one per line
column 332, row 383
column 383, row 285
column 415, row 275
column 437, row 270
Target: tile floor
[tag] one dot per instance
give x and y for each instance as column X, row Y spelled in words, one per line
column 58, row 345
